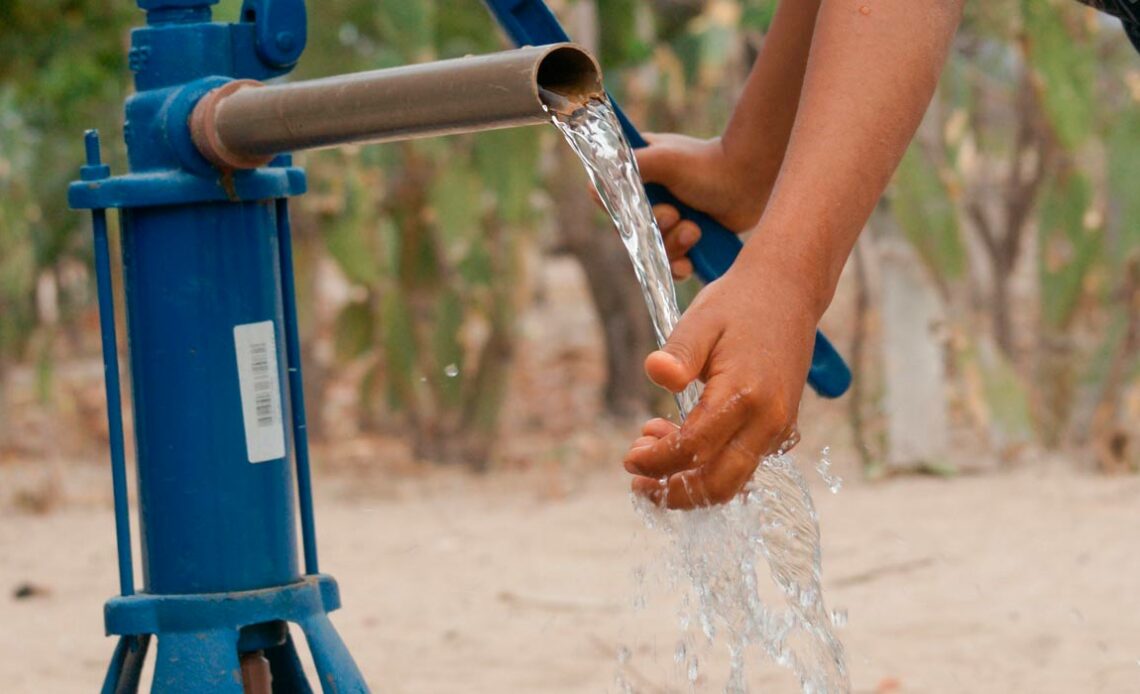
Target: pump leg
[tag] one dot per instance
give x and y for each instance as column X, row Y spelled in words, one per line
column 335, row 667
column 288, row 673
column 126, row 665
column 202, row 662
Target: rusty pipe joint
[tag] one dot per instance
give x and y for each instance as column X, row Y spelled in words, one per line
column 244, row 124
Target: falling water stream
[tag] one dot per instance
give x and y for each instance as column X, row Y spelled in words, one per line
column 721, row 551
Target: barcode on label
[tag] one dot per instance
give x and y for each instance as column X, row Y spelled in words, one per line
column 262, row 383
column 256, row 348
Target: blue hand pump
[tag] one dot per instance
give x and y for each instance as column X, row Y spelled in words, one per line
column 222, row 451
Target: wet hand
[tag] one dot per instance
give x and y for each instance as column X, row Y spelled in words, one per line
column 749, row 337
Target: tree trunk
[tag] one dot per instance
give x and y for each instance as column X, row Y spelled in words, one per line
column 856, row 408
column 1056, row 385
column 999, row 304
column 480, row 424
column 1113, row 443
column 913, row 361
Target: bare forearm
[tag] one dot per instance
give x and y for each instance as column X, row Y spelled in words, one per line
column 872, row 69
column 757, row 134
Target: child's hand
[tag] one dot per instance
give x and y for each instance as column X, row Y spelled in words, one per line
column 703, row 176
column 679, row 235
column 749, row 337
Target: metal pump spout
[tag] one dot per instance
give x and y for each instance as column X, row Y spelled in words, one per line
column 244, row 124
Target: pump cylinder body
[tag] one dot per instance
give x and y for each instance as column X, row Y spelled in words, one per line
column 207, row 368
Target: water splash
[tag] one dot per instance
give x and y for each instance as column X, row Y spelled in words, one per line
column 718, row 550
column 833, row 481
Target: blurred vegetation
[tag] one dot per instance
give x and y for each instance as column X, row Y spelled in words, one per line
column 47, row 97
column 428, row 233
column 1027, row 159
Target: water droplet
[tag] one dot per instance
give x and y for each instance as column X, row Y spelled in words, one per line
column 694, row 669
column 680, row 653
column 839, row 618
column 624, row 654
column 623, row 685
column 834, row 482
column 707, row 627
column 451, row 370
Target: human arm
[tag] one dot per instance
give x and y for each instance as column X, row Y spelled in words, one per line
column 872, row 69
column 730, row 177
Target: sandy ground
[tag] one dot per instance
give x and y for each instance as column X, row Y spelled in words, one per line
column 1016, row 582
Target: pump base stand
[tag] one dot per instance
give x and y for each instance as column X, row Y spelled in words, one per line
column 201, row 639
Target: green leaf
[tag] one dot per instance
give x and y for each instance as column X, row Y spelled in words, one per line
column 619, row 42
column 354, row 330
column 1068, row 246
column 477, row 267
column 507, row 163
column 922, row 205
column 1004, row 393
column 400, row 349
column 448, row 349
column 758, row 14
column 455, row 198
column 353, row 236
column 1066, row 67
column 1123, row 145
column 409, row 25
column 465, row 28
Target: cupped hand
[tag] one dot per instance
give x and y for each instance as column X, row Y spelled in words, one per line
column 749, row 337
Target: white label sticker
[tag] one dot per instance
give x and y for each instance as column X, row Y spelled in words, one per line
column 256, row 347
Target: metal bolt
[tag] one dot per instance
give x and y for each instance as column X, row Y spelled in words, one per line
column 94, row 169
column 285, row 41
column 91, row 141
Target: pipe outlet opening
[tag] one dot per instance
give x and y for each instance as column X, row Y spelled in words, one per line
column 568, row 77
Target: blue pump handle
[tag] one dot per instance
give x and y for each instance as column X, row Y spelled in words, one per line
column 531, row 23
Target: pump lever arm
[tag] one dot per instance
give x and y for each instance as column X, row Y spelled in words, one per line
column 530, row 22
